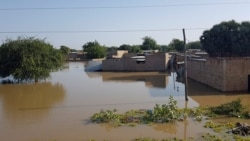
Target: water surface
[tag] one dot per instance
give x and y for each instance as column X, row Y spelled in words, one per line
column 60, row 107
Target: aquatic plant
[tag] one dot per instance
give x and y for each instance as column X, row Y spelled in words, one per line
column 105, row 116
column 164, row 113
column 241, row 138
column 168, row 139
column 133, row 116
column 159, row 114
column 170, row 112
column 212, row 137
column 219, row 127
column 231, row 109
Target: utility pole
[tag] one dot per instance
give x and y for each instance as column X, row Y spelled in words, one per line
column 185, row 53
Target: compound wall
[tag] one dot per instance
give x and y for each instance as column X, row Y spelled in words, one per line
column 225, row 74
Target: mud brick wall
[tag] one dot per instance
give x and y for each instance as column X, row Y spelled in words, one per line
column 225, row 74
column 155, row 62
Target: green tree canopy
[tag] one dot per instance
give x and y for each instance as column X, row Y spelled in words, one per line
column 194, row 45
column 28, row 59
column 124, row 47
column 177, row 45
column 134, row 49
column 149, row 44
column 94, row 50
column 227, row 39
column 131, row 49
column 65, row 50
column 164, row 48
column 112, row 48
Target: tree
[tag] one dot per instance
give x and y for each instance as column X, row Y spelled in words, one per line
column 149, row 44
column 194, row 45
column 94, row 50
column 131, row 49
column 134, row 49
column 112, row 48
column 65, row 50
column 227, row 39
column 177, row 45
column 164, row 48
column 28, row 59
column 124, row 47
column 73, row 50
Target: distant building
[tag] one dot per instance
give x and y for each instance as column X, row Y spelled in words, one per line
column 76, row 56
column 148, row 61
column 116, row 54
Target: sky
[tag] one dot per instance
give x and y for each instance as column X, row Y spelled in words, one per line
column 73, row 23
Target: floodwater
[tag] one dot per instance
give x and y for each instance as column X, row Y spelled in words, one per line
column 60, row 107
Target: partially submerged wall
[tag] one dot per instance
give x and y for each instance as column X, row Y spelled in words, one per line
column 155, row 62
column 225, row 74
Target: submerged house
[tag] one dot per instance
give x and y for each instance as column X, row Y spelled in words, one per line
column 227, row 74
column 153, row 61
column 76, row 56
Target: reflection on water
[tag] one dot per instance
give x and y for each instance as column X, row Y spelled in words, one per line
column 170, row 128
column 151, row 79
column 207, row 96
column 157, row 82
column 60, row 108
column 18, row 97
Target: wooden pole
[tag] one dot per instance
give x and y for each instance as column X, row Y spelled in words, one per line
column 185, row 52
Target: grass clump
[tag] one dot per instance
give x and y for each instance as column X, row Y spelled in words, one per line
column 231, row 109
column 164, row 113
column 220, row 127
column 107, row 116
column 169, row 139
column 170, row 112
column 160, row 114
column 211, row 137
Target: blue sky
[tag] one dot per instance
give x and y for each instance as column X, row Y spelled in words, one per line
column 167, row 17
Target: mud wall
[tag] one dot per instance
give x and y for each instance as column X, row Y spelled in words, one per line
column 155, row 62
column 225, row 74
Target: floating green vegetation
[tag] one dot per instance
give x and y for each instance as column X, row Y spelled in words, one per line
column 107, row 116
column 154, row 139
column 224, row 137
column 212, row 137
column 220, row 127
column 231, row 109
column 169, row 139
column 160, row 114
column 241, row 138
column 164, row 113
column 170, row 112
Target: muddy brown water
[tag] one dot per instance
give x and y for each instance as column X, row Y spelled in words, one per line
column 60, row 107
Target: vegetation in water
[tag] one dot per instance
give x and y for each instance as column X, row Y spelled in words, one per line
column 160, row 114
column 170, row 112
column 231, row 109
column 219, row 127
column 169, row 139
column 163, row 113
column 154, row 139
column 94, row 50
column 28, row 59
